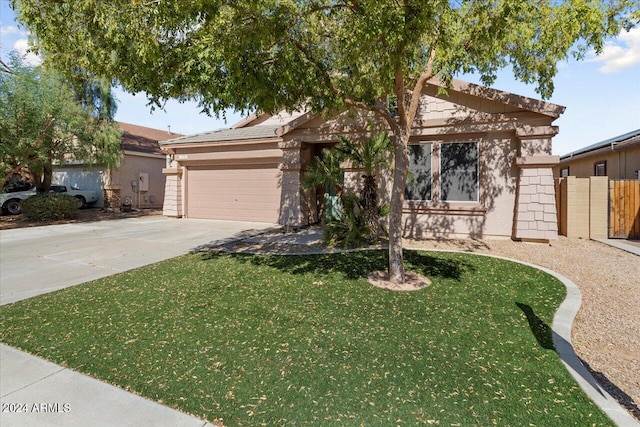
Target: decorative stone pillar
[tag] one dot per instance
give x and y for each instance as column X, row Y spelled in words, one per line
column 291, row 189
column 535, row 218
column 112, row 199
column 172, row 206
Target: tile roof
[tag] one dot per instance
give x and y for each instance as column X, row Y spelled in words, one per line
column 251, row 132
column 607, row 142
column 143, row 139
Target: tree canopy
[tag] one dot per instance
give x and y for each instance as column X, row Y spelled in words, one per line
column 327, row 56
column 44, row 121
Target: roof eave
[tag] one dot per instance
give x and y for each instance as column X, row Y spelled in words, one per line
column 523, row 102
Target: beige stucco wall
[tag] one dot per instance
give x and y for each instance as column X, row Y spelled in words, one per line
column 132, row 165
column 623, row 163
column 497, row 127
column 505, row 131
column 490, row 217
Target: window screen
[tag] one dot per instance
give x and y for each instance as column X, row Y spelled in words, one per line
column 459, row 172
column 419, row 177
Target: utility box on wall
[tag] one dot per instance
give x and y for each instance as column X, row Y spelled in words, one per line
column 143, row 181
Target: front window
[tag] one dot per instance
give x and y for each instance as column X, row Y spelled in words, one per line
column 459, row 172
column 600, row 168
column 419, row 176
column 564, row 172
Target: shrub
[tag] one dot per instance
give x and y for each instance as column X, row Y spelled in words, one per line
column 43, row 207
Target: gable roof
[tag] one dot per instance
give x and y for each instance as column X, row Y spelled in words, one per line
column 629, row 137
column 221, row 135
column 265, row 126
column 519, row 101
column 142, row 139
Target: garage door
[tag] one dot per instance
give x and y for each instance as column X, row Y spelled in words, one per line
column 240, row 193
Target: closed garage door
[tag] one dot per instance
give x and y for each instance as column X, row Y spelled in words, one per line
column 240, row 193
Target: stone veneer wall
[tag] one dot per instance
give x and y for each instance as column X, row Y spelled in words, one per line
column 536, row 217
column 172, row 206
column 112, row 199
column 291, row 202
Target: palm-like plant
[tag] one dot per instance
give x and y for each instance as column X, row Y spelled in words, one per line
column 370, row 155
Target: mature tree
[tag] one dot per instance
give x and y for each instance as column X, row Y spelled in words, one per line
column 325, row 55
column 44, row 121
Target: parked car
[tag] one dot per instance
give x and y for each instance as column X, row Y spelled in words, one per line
column 85, row 197
column 12, row 202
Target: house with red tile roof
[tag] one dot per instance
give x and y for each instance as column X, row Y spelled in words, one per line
column 139, row 178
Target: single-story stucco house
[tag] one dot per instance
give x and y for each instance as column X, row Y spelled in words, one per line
column 138, row 179
column 617, row 158
column 482, row 158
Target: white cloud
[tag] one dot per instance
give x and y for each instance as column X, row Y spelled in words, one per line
column 22, row 47
column 9, row 29
column 622, row 53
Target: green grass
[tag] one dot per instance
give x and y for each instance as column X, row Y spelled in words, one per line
column 277, row 340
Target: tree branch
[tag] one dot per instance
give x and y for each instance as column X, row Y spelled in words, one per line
column 425, row 76
column 5, row 68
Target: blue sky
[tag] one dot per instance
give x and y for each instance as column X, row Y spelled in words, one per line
column 601, row 94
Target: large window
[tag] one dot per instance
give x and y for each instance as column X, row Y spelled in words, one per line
column 419, row 178
column 459, row 172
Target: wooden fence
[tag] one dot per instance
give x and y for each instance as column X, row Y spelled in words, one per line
column 624, row 209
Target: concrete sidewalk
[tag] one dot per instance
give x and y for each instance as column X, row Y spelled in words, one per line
column 33, row 261
column 631, row 246
column 40, row 393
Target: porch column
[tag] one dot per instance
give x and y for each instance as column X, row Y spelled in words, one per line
column 291, row 185
column 535, row 217
column 172, row 206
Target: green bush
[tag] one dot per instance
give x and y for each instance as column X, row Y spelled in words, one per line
column 47, row 206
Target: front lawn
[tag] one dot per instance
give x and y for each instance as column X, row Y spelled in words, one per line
column 278, row 340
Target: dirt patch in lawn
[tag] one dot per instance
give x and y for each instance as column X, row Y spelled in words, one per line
column 412, row 281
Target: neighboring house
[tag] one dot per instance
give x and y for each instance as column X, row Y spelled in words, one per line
column 139, row 178
column 481, row 161
column 617, row 158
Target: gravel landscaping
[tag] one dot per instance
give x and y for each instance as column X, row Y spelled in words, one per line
column 606, row 334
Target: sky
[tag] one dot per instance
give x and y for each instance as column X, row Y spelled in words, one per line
column 601, row 94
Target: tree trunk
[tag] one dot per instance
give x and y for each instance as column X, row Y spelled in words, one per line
column 396, row 266
column 370, row 206
column 47, row 177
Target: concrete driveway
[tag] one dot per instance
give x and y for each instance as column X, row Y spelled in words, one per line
column 38, row 260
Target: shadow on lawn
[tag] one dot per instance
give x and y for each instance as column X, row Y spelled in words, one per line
column 550, row 340
column 541, row 331
column 353, row 265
